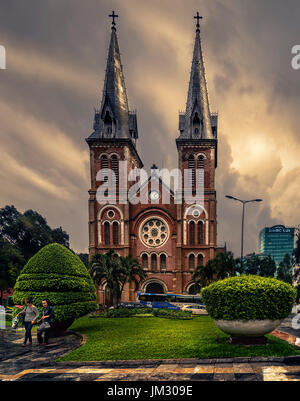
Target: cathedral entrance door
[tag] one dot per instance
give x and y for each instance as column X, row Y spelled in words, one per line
column 154, row 288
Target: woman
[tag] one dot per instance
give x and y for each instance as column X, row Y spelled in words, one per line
column 47, row 320
column 30, row 313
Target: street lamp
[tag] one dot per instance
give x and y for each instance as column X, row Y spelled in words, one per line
column 243, row 218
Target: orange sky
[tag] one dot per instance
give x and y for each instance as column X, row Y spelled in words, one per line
column 56, row 58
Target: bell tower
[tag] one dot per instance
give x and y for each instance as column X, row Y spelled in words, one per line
column 197, row 160
column 112, row 142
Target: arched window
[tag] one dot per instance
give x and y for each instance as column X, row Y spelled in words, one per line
column 200, row 171
column 200, row 233
column 192, row 233
column 191, row 167
column 200, row 260
column 163, row 262
column 196, row 124
column 115, row 168
column 192, row 262
column 153, row 262
column 104, row 168
column 201, row 162
column 115, row 233
column 107, row 123
column 145, row 261
column 107, row 233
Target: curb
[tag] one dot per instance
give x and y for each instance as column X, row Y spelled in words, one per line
column 144, row 362
column 83, row 337
column 136, row 363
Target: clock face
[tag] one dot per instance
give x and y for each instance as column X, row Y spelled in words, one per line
column 154, row 195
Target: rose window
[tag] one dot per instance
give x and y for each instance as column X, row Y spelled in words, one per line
column 154, row 232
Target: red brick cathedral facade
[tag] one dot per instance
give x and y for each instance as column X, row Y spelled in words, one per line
column 169, row 239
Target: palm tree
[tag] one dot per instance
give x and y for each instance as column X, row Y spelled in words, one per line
column 225, row 265
column 204, row 275
column 133, row 272
column 219, row 268
column 116, row 271
column 107, row 267
column 285, row 270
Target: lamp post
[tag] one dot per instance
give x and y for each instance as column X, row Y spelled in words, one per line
column 243, row 218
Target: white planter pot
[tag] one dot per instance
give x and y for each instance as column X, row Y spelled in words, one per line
column 248, row 328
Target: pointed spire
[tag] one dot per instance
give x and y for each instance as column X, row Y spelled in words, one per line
column 196, row 123
column 114, row 120
column 114, row 102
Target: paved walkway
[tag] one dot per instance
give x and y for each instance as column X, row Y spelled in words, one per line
column 36, row 363
column 14, row 359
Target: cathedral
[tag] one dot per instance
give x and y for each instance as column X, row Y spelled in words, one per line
column 169, row 239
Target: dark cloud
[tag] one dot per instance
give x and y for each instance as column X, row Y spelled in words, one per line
column 56, row 57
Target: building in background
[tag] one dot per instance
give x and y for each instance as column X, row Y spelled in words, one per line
column 277, row 241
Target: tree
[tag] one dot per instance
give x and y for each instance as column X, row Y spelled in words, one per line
column 11, row 263
column 84, row 258
column 256, row 265
column 222, row 266
column 133, row 272
column 116, row 272
column 205, row 275
column 251, row 264
column 284, row 271
column 107, row 268
column 28, row 232
column 267, row 267
column 225, row 265
column 57, row 274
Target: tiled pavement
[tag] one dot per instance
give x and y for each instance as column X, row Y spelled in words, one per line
column 34, row 364
column 181, row 370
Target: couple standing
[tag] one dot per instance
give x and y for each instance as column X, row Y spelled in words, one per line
column 31, row 315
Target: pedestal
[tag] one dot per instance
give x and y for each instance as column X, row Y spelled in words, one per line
column 262, row 340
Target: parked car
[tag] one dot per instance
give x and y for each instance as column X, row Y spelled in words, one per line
column 195, row 309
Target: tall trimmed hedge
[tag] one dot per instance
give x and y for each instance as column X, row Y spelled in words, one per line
column 59, row 275
column 249, row 298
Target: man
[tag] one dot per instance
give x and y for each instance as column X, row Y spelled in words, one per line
column 47, row 320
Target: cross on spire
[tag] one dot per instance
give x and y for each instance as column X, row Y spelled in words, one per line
column 113, row 16
column 198, row 18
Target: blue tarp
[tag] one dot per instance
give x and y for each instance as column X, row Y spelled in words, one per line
column 160, row 305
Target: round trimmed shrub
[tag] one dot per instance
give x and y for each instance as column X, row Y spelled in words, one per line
column 249, row 298
column 59, row 275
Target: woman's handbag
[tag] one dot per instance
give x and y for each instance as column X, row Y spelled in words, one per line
column 14, row 322
column 43, row 326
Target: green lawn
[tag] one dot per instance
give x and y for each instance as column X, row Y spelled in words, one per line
column 159, row 338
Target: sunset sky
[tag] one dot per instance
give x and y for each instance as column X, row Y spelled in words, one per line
column 56, row 59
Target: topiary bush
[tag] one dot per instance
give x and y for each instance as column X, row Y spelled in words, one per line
column 249, row 298
column 59, row 275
